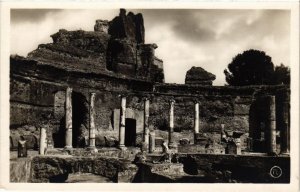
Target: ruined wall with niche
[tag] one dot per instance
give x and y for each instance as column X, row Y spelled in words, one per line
column 109, row 64
column 232, row 106
column 37, row 98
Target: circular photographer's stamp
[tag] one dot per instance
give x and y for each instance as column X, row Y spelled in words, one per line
column 275, row 172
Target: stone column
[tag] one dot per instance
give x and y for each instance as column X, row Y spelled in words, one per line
column 68, row 109
column 271, row 126
column 285, row 135
column 122, row 122
column 196, row 118
column 92, row 133
column 152, row 142
column 171, row 127
column 146, row 121
column 43, row 140
column 223, row 135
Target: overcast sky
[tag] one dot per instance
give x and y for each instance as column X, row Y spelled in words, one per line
column 185, row 38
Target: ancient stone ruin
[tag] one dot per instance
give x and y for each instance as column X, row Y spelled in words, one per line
column 95, row 102
column 198, row 76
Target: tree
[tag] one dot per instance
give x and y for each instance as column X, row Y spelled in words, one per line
column 252, row 67
column 282, row 75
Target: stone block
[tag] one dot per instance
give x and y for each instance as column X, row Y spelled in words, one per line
column 139, row 139
column 14, row 142
column 200, row 139
column 232, row 148
column 100, row 141
column 184, row 141
column 159, row 141
column 241, row 109
column 243, row 100
column 32, row 141
column 110, row 141
column 240, row 123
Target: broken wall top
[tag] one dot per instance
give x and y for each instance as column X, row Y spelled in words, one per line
column 114, row 47
column 197, row 75
column 128, row 26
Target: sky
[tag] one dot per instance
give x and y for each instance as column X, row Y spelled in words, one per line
column 207, row 38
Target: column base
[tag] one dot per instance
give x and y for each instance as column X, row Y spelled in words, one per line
column 43, row 152
column 122, row 147
column 145, row 147
column 285, row 153
column 92, row 149
column 172, row 145
column 68, row 147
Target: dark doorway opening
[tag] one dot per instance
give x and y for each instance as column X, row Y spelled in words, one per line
column 130, row 132
column 59, row 135
column 257, row 121
column 79, row 119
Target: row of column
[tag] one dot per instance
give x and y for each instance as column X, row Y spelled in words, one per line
column 146, row 131
column 270, row 126
column 68, row 125
column 68, row 120
column 270, row 131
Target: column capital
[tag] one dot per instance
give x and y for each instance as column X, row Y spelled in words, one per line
column 222, row 125
column 69, row 89
column 172, row 100
column 92, row 93
column 147, row 98
column 123, row 95
column 196, row 101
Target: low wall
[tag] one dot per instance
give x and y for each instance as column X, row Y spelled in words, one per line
column 56, row 168
column 241, row 168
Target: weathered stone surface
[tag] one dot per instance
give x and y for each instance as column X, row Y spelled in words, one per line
column 200, row 139
column 56, row 169
column 197, row 75
column 14, row 141
column 86, row 178
column 31, row 141
column 20, row 170
column 241, row 109
column 184, row 141
column 74, row 50
column 244, row 169
column 110, row 141
column 101, row 26
column 159, row 141
column 129, row 26
column 100, row 141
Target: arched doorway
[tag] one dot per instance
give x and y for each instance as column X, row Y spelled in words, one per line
column 130, row 132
